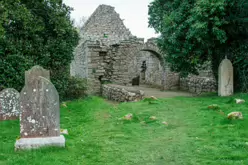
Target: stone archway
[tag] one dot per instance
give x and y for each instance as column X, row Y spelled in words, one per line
column 152, row 47
column 151, row 69
column 147, row 65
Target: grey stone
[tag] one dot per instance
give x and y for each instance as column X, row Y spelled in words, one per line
column 235, row 115
column 121, row 93
column 35, row 72
column 225, row 82
column 9, row 104
column 239, row 101
column 33, row 143
column 64, row 131
column 119, row 57
column 40, row 110
column 198, row 84
column 40, row 113
column 128, row 116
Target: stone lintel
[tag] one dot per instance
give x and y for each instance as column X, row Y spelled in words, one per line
column 34, row 143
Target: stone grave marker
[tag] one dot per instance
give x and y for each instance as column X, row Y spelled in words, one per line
column 35, row 72
column 40, row 112
column 225, row 74
column 9, row 104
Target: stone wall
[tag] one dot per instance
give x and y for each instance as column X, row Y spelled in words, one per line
column 106, row 26
column 154, row 71
column 123, row 54
column 204, row 82
column 172, row 80
column 198, row 84
column 121, row 93
column 120, row 63
column 79, row 65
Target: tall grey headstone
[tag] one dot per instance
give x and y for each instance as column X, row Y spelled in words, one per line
column 225, row 83
column 40, row 111
column 9, row 104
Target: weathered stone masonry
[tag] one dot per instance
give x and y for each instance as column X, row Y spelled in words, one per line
column 121, row 93
column 109, row 52
column 105, row 26
column 198, row 84
column 204, row 82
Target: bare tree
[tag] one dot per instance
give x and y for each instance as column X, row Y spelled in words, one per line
column 80, row 23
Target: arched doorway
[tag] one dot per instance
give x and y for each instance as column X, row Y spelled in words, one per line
column 147, row 68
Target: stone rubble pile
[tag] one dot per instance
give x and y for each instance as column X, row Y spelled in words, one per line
column 121, row 93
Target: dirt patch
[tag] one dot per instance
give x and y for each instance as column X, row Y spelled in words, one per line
column 162, row 94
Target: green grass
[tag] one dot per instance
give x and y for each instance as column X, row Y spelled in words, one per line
column 195, row 135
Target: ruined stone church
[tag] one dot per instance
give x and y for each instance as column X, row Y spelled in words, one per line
column 108, row 52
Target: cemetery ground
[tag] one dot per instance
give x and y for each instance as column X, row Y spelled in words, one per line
column 98, row 134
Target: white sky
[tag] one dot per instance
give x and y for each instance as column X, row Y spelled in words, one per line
column 134, row 13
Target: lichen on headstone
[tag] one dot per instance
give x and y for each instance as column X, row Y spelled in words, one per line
column 9, row 104
column 39, row 102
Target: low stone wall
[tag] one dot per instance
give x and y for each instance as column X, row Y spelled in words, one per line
column 172, row 81
column 197, row 84
column 121, row 93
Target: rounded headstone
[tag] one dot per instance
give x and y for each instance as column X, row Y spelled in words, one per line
column 225, row 83
column 35, row 72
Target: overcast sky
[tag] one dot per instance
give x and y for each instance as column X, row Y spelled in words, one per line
column 134, row 13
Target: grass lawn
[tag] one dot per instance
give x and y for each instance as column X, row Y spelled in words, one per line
column 195, row 135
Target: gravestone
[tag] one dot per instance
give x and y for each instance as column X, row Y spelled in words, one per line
column 225, row 83
column 40, row 112
column 35, row 72
column 9, row 104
